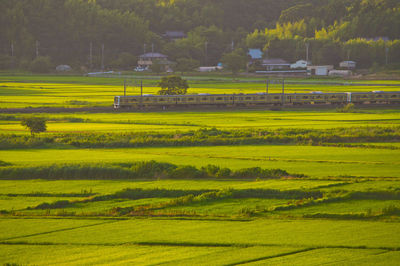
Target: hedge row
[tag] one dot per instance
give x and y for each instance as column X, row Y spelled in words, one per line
column 137, row 170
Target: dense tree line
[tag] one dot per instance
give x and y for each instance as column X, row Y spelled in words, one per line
column 69, row 31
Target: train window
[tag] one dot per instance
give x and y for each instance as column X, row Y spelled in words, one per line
column 240, row 98
column 204, row 99
column 305, row 97
column 393, row 96
column 230, row 98
column 378, row 96
column 276, row 97
column 262, row 97
column 225, row 98
column 219, row 98
column 248, row 98
column 318, row 97
column 133, row 100
column 333, row 97
column 191, row 99
column 364, row 96
column 161, row 100
column 179, row 99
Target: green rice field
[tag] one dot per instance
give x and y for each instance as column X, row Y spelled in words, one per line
column 336, row 203
column 21, row 91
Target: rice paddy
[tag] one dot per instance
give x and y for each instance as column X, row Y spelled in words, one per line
column 342, row 207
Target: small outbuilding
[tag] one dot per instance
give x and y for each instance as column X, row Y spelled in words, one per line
column 340, row 73
column 63, row 68
column 319, row 70
column 348, row 64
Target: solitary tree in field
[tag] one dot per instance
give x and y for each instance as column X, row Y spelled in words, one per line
column 34, row 124
column 173, row 85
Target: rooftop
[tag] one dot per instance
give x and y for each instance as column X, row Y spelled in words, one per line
column 153, row 55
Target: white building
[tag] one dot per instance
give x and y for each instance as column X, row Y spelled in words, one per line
column 209, row 68
column 348, row 64
column 319, row 70
column 300, row 64
column 339, row 73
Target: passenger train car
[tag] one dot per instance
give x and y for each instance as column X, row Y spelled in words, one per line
column 258, row 99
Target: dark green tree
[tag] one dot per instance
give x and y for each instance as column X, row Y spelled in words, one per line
column 157, row 67
column 235, row 60
column 173, row 85
column 41, row 64
column 186, row 64
column 34, row 124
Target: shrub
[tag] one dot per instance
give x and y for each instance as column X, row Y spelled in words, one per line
column 34, row 124
column 348, row 108
column 42, row 64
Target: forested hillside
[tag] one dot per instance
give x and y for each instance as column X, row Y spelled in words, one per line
column 69, row 31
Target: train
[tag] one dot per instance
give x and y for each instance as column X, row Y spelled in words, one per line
column 148, row 101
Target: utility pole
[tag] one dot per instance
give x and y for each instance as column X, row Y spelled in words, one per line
column 102, row 57
column 124, row 87
column 307, row 46
column 37, row 49
column 12, row 54
column 144, row 48
column 283, row 91
column 152, row 48
column 205, row 47
column 91, row 55
column 267, row 82
column 141, row 88
column 387, row 54
column 233, row 45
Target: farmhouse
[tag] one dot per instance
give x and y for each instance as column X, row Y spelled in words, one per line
column 146, row 60
column 275, row 64
column 174, row 35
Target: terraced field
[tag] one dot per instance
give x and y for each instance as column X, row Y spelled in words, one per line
column 293, row 187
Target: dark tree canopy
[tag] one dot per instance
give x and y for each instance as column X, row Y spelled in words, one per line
column 234, row 61
column 173, row 85
column 34, row 124
column 69, row 31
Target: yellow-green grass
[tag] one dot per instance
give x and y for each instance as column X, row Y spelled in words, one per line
column 23, row 202
column 96, row 207
column 334, row 256
column 15, row 228
column 50, row 91
column 185, row 121
column 102, row 187
column 345, row 207
column 315, row 161
column 301, row 233
column 228, row 207
column 135, row 254
column 372, row 185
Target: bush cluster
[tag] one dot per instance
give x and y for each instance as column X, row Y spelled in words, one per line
column 149, row 169
column 206, row 137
